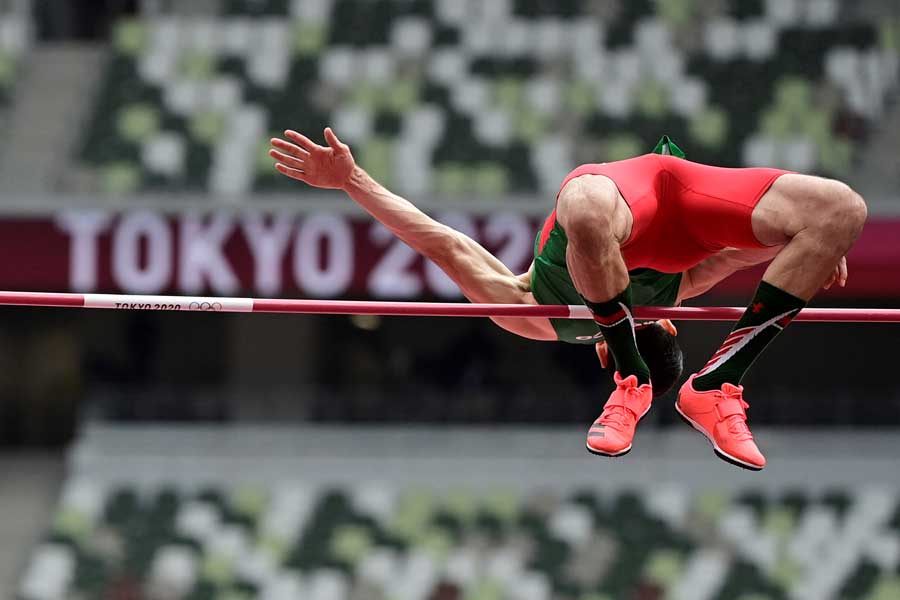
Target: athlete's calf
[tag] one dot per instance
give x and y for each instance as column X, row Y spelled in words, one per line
column 818, row 220
column 596, row 221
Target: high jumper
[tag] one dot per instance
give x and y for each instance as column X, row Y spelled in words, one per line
column 652, row 230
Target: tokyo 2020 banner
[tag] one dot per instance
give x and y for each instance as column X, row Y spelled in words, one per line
column 314, row 255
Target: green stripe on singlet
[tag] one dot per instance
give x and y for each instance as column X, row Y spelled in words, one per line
column 552, row 284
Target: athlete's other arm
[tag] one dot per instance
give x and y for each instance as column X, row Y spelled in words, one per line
column 477, row 272
column 703, row 277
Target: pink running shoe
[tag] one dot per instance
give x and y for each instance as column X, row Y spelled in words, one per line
column 720, row 416
column 612, row 432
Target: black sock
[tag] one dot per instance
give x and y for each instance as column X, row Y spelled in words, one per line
column 615, row 321
column 770, row 311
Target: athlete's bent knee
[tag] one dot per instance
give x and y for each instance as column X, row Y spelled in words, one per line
column 855, row 212
column 587, row 206
column 844, row 211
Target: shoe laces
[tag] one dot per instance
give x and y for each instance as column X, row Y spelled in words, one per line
column 618, row 415
column 737, row 424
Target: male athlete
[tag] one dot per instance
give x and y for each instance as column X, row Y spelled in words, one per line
column 652, row 229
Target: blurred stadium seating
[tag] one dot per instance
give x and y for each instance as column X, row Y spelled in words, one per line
column 286, row 544
column 470, row 100
column 485, row 98
column 15, row 40
column 220, row 532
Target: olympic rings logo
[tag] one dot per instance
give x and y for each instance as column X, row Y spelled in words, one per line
column 205, row 306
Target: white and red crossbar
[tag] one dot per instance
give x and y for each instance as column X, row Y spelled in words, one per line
column 412, row 309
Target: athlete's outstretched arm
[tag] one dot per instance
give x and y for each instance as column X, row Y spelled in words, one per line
column 477, row 272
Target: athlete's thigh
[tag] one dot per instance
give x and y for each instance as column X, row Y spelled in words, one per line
column 714, row 204
column 790, row 205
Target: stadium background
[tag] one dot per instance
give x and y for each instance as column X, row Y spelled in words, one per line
column 206, row 456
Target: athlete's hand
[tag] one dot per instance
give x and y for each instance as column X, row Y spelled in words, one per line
column 300, row 158
column 602, row 353
column 839, row 275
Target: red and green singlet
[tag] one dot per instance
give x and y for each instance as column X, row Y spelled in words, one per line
column 552, row 284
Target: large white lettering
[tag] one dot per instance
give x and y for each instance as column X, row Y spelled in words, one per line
column 154, row 276
column 152, row 253
column 437, row 280
column 518, row 234
column 391, row 277
column 84, row 227
column 267, row 244
column 202, row 259
column 313, row 275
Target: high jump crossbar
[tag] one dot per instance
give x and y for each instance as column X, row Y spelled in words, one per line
column 412, row 309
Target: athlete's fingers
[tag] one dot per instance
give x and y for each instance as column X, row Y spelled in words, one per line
column 603, row 353
column 669, row 326
column 292, row 173
column 333, row 141
column 287, row 160
column 842, row 269
column 835, row 277
column 289, row 148
column 301, row 140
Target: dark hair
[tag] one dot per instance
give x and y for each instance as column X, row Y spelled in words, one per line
column 661, row 352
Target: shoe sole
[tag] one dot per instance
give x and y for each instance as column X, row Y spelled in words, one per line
column 620, row 452
column 718, row 451
column 608, row 454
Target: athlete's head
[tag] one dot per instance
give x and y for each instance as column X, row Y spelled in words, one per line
column 660, row 350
